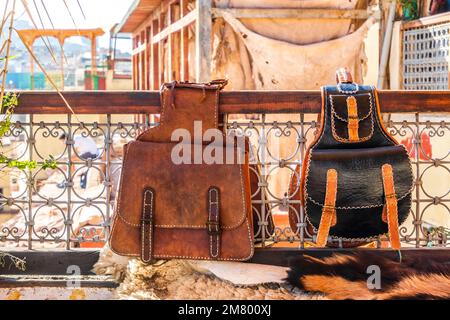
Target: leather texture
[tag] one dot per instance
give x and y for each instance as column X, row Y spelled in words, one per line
column 192, row 211
column 358, row 159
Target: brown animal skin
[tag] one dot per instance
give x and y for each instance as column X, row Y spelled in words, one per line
column 344, row 276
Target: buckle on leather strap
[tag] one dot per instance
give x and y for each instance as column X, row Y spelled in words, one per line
column 213, row 222
column 148, row 207
column 213, row 227
column 391, row 196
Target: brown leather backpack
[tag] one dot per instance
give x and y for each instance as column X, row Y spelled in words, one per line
column 356, row 180
column 189, row 211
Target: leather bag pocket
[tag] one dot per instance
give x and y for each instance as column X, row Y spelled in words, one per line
column 360, row 194
column 342, row 120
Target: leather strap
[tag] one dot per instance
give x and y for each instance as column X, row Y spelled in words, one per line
column 390, row 210
column 213, row 223
column 148, row 206
column 328, row 218
column 343, row 75
column 353, row 121
column 180, row 102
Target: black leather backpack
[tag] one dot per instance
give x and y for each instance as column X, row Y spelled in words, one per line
column 356, row 180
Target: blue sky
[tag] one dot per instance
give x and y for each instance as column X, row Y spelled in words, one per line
column 99, row 13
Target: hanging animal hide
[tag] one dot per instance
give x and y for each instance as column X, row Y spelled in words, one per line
column 303, row 66
column 231, row 59
column 293, row 30
column 345, row 276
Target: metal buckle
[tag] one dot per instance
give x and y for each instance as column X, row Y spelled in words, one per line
column 213, row 227
column 390, row 196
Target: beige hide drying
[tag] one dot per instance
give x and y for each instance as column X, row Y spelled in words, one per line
column 297, row 31
column 279, row 65
column 230, row 58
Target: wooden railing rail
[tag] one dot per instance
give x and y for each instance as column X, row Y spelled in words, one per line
column 237, row 102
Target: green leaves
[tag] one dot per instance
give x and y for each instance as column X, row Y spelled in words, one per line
column 9, row 103
column 49, row 163
column 21, row 165
column 5, row 124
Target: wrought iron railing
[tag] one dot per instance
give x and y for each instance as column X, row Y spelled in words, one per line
column 71, row 205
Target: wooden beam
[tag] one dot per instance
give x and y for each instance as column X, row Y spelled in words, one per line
column 143, row 61
column 135, row 62
column 184, row 44
column 203, row 27
column 170, row 43
column 155, row 58
column 154, row 14
column 292, row 13
column 239, row 102
column 93, row 58
column 161, row 66
column 176, row 26
column 426, row 21
column 176, row 45
column 30, row 35
column 138, row 49
column 148, row 57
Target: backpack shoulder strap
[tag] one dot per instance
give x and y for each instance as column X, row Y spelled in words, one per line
column 186, row 106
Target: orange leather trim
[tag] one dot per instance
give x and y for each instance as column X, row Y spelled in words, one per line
column 353, row 121
column 384, row 214
column 329, row 211
column 391, row 205
column 333, row 219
